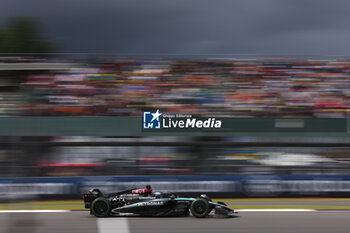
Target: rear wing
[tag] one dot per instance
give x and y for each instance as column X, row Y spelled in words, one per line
column 89, row 197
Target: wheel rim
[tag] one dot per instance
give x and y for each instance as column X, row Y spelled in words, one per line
column 100, row 207
column 200, row 207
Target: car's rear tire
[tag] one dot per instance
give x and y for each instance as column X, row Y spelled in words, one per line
column 200, row 208
column 100, row 207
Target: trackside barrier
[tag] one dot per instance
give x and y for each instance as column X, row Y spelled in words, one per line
column 216, row 185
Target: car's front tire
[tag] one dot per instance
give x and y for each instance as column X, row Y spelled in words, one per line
column 200, row 208
column 101, row 207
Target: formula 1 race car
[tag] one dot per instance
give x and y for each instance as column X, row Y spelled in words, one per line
column 142, row 202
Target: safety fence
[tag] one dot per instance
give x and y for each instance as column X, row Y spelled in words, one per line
column 216, row 185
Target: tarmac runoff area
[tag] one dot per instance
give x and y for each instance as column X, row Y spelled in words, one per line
column 282, row 215
column 58, row 221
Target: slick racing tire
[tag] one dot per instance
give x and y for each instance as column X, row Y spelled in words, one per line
column 200, row 208
column 100, row 207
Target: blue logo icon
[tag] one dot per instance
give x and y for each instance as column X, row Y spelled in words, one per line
column 151, row 120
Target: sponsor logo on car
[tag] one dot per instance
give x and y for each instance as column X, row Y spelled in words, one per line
column 152, row 203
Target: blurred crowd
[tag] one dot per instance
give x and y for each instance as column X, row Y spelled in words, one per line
column 211, row 87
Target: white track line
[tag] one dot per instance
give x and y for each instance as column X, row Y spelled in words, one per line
column 113, row 225
column 275, row 210
column 33, row 211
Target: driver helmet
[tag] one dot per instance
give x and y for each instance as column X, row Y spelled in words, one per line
column 204, row 196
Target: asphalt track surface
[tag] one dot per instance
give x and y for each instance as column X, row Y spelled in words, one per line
column 246, row 222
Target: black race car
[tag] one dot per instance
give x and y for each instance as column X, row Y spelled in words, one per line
column 143, row 202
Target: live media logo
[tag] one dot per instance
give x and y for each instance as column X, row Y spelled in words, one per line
column 158, row 120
